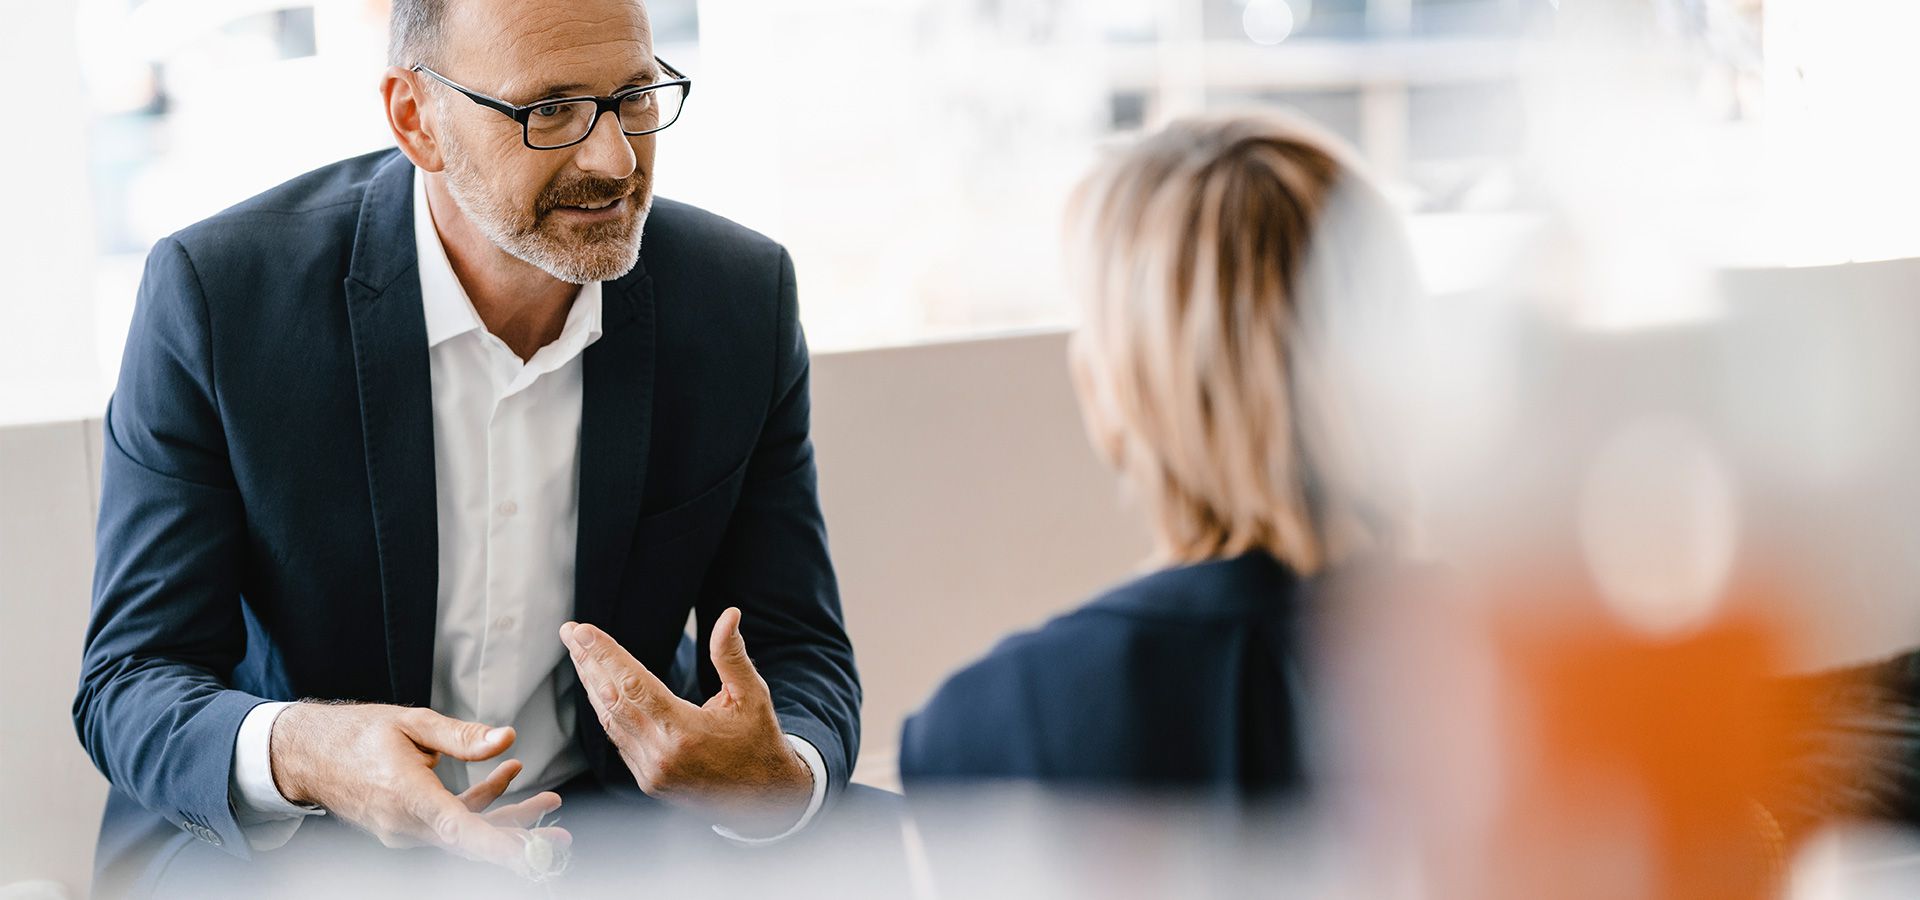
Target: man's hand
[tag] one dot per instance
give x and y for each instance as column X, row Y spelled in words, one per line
column 373, row 766
column 727, row 759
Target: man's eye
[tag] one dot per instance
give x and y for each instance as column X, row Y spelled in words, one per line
column 548, row 111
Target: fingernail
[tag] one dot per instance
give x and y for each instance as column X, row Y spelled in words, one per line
column 566, row 631
column 497, row 735
column 583, row 637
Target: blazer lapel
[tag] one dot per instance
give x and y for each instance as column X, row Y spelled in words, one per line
column 616, row 409
column 396, row 419
column 615, row 422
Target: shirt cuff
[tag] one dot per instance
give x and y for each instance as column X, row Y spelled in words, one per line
column 268, row 819
column 815, row 765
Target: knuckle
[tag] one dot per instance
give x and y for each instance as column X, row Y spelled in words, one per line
column 631, row 686
column 674, row 744
column 608, row 723
column 653, row 774
column 388, row 829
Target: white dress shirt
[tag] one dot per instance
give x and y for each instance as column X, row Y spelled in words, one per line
column 506, row 442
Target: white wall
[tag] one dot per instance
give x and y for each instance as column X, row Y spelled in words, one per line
column 962, row 501
column 960, row 497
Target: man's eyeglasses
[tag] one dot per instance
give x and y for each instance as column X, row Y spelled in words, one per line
column 565, row 121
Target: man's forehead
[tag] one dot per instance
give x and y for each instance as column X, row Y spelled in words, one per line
column 526, row 44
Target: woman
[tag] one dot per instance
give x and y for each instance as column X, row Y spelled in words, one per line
column 1233, row 274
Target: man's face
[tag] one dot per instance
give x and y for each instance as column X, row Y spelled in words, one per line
column 538, row 205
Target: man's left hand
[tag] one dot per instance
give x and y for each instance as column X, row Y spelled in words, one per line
column 727, row 759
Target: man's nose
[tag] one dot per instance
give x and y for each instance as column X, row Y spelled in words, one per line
column 606, row 152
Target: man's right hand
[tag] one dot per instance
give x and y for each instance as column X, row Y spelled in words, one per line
column 372, row 765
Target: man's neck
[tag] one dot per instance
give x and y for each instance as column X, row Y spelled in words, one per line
column 518, row 303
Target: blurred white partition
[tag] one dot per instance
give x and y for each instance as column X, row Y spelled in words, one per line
column 50, row 791
column 962, row 501
column 1818, row 384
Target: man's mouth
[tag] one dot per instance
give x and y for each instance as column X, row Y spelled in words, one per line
column 596, row 211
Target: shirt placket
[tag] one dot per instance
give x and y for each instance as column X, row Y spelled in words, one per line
column 505, row 544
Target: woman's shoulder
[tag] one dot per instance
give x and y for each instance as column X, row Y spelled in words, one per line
column 1253, row 584
column 1207, row 592
column 985, row 720
column 990, row 718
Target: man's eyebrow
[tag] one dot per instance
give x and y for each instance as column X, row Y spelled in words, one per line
column 639, row 76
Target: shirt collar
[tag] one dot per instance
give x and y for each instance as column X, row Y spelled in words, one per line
column 448, row 308
column 449, row 312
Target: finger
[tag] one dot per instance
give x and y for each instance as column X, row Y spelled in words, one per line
column 525, row 814
column 629, row 730
column 470, row 741
column 441, row 820
column 729, row 651
column 617, row 728
column 560, row 837
column 480, row 796
column 612, row 675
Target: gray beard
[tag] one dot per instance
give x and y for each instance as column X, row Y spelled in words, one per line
column 601, row 260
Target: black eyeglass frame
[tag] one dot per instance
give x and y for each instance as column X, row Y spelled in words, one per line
column 602, row 105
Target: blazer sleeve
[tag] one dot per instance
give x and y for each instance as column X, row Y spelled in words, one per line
column 772, row 563
column 153, row 708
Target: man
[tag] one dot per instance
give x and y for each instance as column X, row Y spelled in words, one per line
column 382, row 431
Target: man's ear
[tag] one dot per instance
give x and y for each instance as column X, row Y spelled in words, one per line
column 407, row 115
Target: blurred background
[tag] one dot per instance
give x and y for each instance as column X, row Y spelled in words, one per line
column 913, row 154
column 1668, row 247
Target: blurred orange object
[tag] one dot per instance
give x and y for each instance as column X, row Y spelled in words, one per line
column 1645, row 760
column 1524, row 742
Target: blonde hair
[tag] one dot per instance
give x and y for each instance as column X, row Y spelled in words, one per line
column 1209, row 257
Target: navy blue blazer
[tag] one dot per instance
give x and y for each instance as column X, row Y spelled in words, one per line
column 1183, row 679
column 267, row 521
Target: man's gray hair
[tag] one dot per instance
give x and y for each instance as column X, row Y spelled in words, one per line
column 413, row 32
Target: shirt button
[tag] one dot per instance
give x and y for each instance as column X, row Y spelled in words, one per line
column 503, row 623
column 509, row 508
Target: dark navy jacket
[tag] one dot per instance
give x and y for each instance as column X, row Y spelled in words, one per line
column 1183, row 679
column 267, row 519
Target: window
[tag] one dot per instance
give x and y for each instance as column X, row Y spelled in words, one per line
column 913, row 154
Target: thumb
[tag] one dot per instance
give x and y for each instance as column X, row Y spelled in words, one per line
column 730, row 660
column 470, row 741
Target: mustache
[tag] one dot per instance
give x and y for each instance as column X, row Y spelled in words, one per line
column 590, row 191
